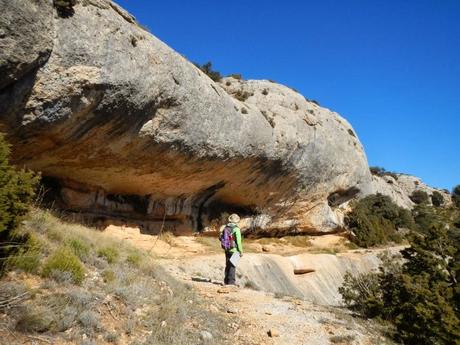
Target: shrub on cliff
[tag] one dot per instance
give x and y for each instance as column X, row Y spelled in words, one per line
column 419, row 197
column 456, row 196
column 207, row 69
column 379, row 171
column 375, row 220
column 437, row 199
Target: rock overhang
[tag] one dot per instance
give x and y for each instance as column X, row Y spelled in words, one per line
column 109, row 117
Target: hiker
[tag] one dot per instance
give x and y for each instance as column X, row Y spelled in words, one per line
column 230, row 239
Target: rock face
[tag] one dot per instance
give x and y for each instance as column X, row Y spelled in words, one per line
column 275, row 273
column 401, row 188
column 123, row 126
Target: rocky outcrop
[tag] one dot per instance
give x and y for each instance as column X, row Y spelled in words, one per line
column 123, row 126
column 400, row 187
column 275, row 273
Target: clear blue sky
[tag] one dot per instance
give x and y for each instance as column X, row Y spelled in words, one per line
column 392, row 68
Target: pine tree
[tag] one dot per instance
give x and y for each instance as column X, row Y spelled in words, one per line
column 16, row 192
column 456, row 195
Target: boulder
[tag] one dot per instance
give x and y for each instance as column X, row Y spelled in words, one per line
column 121, row 126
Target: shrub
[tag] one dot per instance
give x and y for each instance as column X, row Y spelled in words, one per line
column 16, row 192
column 111, row 337
column 110, row 254
column 79, row 248
column 419, row 197
column 379, row 171
column 362, row 293
column 108, row 276
column 64, row 260
column 27, row 256
column 437, row 199
column 134, row 259
column 237, row 76
column 32, row 318
column 65, row 7
column 456, row 196
column 419, row 295
column 242, row 95
column 207, row 69
column 90, row 320
column 312, row 101
column 375, row 219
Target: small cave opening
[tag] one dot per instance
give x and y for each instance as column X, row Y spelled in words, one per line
column 49, row 192
column 139, row 203
column 341, row 196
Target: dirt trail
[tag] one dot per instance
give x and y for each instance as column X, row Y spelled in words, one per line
column 293, row 320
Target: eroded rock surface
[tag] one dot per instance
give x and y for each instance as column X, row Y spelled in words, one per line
column 401, row 188
column 123, row 126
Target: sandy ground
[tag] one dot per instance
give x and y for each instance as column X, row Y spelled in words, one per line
column 257, row 313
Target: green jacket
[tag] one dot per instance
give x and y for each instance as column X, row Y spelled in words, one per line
column 237, row 236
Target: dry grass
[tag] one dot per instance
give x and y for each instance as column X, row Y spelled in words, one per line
column 168, row 237
column 128, row 300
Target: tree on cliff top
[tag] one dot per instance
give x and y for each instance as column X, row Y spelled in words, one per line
column 456, row 195
column 207, row 69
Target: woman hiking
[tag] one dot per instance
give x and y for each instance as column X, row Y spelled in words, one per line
column 230, row 239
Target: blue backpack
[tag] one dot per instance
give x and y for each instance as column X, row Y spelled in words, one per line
column 227, row 241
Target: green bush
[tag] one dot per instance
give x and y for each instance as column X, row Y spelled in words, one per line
column 79, row 248
column 108, row 276
column 207, row 69
column 362, row 293
column 419, row 197
column 110, row 254
column 456, row 196
column 420, row 294
column 64, row 260
column 134, row 259
column 375, row 220
column 27, row 256
column 16, row 192
column 437, row 199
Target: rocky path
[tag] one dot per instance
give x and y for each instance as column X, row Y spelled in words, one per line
column 266, row 318
column 260, row 317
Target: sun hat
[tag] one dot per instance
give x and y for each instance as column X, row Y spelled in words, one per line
column 234, row 218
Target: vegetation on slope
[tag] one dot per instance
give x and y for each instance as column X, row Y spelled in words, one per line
column 67, row 283
column 79, row 292
column 375, row 220
column 419, row 292
column 16, row 192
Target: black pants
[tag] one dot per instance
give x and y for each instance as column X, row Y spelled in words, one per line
column 230, row 270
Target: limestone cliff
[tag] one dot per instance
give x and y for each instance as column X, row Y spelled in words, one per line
column 401, row 186
column 122, row 126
